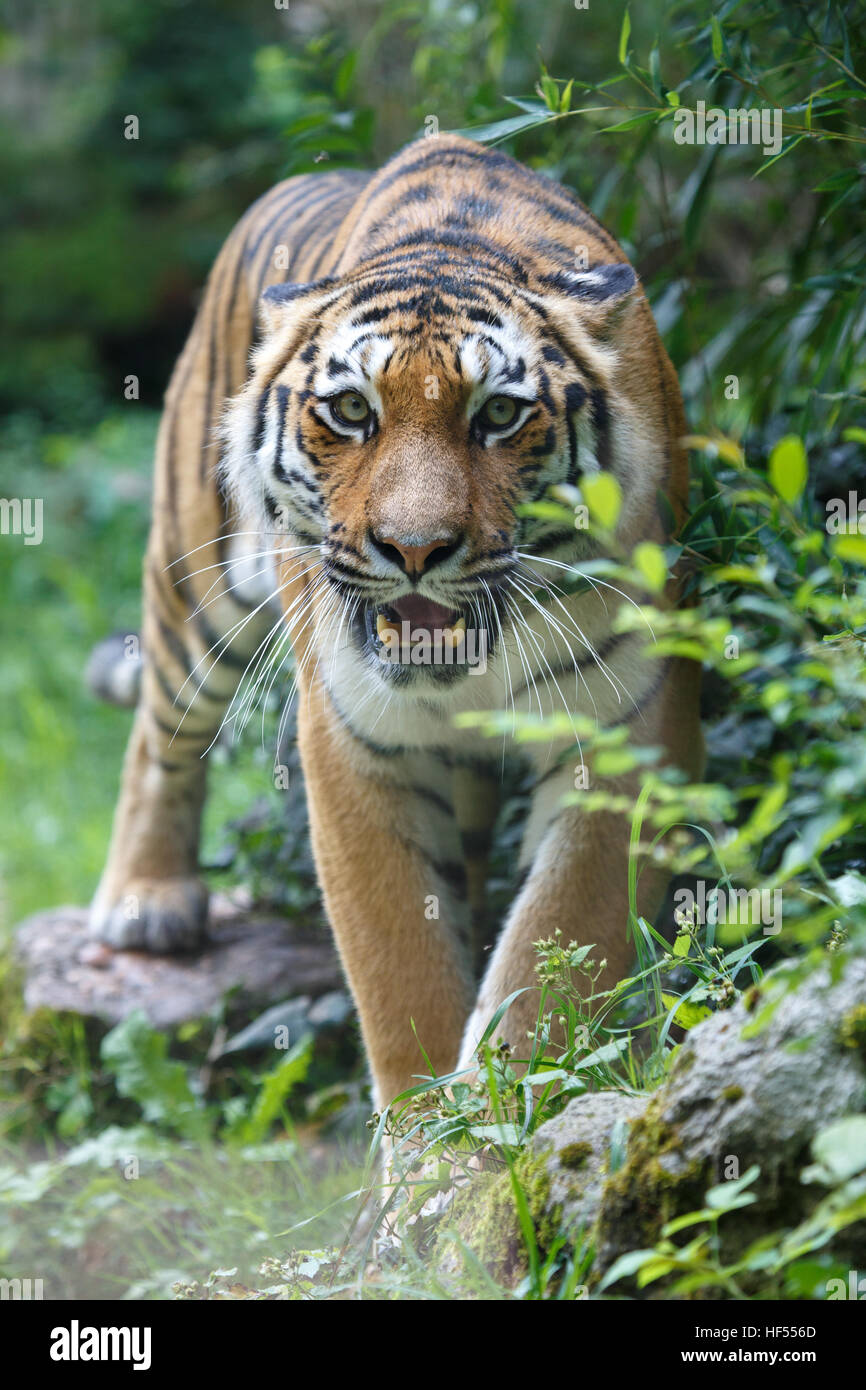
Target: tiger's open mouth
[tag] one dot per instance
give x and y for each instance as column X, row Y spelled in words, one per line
column 412, row 615
column 415, row 634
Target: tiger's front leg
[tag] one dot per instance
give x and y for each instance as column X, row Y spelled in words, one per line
column 151, row 895
column 575, row 873
column 388, row 858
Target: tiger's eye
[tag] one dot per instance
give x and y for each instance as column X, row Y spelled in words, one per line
column 351, row 408
column 499, row 411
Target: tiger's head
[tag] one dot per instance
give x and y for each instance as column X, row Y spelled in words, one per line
column 397, row 423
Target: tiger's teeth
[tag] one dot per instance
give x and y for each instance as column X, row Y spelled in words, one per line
column 385, row 629
column 454, row 635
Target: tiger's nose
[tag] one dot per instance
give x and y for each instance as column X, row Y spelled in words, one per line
column 415, row 558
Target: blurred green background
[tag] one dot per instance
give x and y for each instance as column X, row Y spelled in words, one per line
column 105, row 243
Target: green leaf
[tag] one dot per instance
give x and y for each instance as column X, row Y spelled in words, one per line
column 137, row 1055
column 727, row 1196
column 501, row 1133
column 546, row 511
column 602, row 1055
column 631, row 122
column 649, row 560
column 850, row 888
column 614, row 762
column 689, row 1218
column 851, row 548
column 500, row 130
column 687, row 1014
column 550, row 91
column 789, row 468
column 624, row 36
column 655, row 69
column 499, row 1015
column 602, row 494
column 345, row 75
column 722, row 448
column 275, row 1089
column 627, row 1265
column 718, row 41
column 787, row 147
column 654, row 1269
column 544, row 1078
column 841, row 1147
column 814, row 837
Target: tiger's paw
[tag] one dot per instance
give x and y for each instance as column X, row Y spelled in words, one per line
column 166, row 916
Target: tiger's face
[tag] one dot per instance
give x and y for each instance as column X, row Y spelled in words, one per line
column 401, row 446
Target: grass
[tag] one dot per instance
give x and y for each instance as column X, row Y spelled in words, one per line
column 91, row 1230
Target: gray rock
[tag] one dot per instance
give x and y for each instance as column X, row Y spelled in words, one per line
column 761, row 1093
column 292, row 1015
column 298, row 1016
column 260, row 956
column 579, row 1141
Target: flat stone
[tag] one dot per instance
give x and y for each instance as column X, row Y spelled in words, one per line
column 262, row 957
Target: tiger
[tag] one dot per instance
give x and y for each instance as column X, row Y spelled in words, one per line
column 386, row 369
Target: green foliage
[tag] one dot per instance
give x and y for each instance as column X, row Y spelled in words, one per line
column 778, row 1261
column 268, row 848
column 137, row 1057
column 276, row 1088
column 188, row 1179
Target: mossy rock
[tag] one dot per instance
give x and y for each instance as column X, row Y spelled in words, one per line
column 751, row 1086
column 657, row 1182
column 485, row 1218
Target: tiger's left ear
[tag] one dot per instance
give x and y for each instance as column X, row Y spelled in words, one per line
column 283, row 303
column 607, row 289
column 602, row 284
column 597, row 299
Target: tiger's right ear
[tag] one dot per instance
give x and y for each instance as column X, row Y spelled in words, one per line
column 285, row 303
